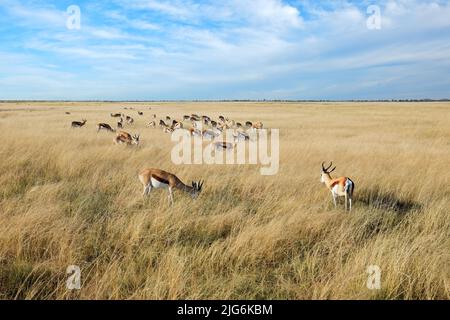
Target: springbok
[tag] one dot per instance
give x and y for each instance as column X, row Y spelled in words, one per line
column 258, row 125
column 129, row 119
column 209, row 134
column 123, row 137
column 248, row 124
column 162, row 124
column 156, row 178
column 120, row 124
column 140, row 113
column 152, row 124
column 104, row 126
column 186, row 118
column 78, row 124
column 241, row 136
column 176, row 124
column 116, row 115
column 339, row 187
column 224, row 146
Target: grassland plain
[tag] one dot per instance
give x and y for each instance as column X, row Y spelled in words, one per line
column 71, row 197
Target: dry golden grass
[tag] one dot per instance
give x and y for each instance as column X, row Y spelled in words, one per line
column 71, row 197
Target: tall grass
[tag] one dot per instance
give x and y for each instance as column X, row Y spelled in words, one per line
column 71, row 197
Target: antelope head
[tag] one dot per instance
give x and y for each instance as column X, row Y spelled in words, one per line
column 196, row 189
column 326, row 171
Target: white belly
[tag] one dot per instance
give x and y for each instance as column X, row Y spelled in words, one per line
column 157, row 184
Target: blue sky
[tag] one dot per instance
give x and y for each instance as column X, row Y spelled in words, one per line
column 224, row 49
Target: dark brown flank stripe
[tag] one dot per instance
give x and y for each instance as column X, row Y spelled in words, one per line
column 160, row 179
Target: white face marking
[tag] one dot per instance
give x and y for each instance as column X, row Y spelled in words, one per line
column 156, row 184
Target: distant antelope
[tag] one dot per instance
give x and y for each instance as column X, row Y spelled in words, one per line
column 339, row 187
column 152, row 124
column 120, row 124
column 116, row 115
column 208, row 134
column 129, row 120
column 104, row 126
column 241, row 136
column 67, row 112
column 213, row 124
column 238, row 125
column 186, row 118
column 162, row 124
column 78, row 124
column 168, row 118
column 154, row 116
column 168, row 130
column 248, row 124
column 224, row 146
column 140, row 113
column 123, row 137
column 258, row 125
column 195, row 132
column 156, row 178
column 222, row 119
column 176, row 125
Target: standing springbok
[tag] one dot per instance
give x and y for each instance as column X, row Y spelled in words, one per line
column 339, row 187
column 78, row 124
column 120, row 124
column 156, row 178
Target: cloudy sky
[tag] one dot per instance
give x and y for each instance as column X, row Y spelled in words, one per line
column 224, row 49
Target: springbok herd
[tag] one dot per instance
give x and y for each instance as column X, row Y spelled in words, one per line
column 209, row 129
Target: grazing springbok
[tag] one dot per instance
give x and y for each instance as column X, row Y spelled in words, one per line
column 116, row 115
column 168, row 118
column 78, row 124
column 186, row 118
column 140, row 113
column 156, row 178
column 248, row 124
column 67, row 112
column 152, row 124
column 104, row 126
column 123, row 137
column 339, row 187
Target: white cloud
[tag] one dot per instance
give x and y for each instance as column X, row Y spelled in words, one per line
column 243, row 48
